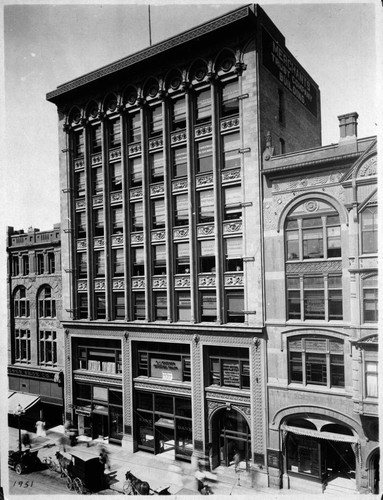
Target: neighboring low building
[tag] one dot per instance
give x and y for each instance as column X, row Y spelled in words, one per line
column 321, row 292
column 35, row 346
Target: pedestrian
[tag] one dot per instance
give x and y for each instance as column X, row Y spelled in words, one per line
column 63, row 442
column 40, row 428
column 104, row 456
column 237, row 459
column 200, row 476
column 26, row 440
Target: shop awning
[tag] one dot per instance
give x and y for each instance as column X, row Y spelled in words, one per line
column 330, row 436
column 26, row 401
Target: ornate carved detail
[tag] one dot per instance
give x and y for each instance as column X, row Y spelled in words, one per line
column 80, row 204
column 81, row 244
column 311, row 206
column 115, row 154
column 204, row 130
column 181, row 233
column 178, row 137
column 78, row 164
column 206, row 281
column 159, row 283
column 158, row 235
column 137, row 238
column 156, row 143
column 177, row 185
column 138, row 283
column 118, row 284
column 232, row 227
column 116, row 197
column 117, row 240
column 99, row 285
column 234, row 280
column 273, row 209
column 230, row 123
column 95, row 159
column 231, row 175
column 204, row 180
column 111, row 379
column 305, row 181
column 368, row 168
column 157, row 189
column 136, row 193
column 99, row 242
column 82, row 285
column 97, row 200
column 182, row 282
column 205, row 230
column 135, row 148
column 185, row 391
column 312, row 267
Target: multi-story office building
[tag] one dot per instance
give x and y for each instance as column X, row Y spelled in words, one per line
column 35, row 343
column 321, row 291
column 160, row 168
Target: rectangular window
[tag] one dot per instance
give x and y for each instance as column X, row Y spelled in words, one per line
column 314, row 301
column 230, row 103
column 182, row 258
column 78, row 144
column 233, row 253
column 207, row 256
column 22, row 346
column 81, row 224
column 115, row 176
column 229, row 372
column 139, row 306
column 118, row 262
column 292, row 240
column 82, row 306
column 159, row 260
column 293, row 298
column 114, row 133
column 155, row 121
column 25, row 263
column 156, row 163
column 312, row 238
column 48, row 348
column 40, row 263
column 79, row 184
column 117, row 220
column 97, row 180
column 206, row 206
column 100, row 304
column 183, row 304
column 179, row 114
column 316, row 369
column 204, row 156
column 99, row 258
column 295, row 367
column 82, row 265
column 230, row 147
column 134, row 127
column 335, row 307
column 15, row 265
column 235, row 304
column 370, row 299
column 138, row 262
column 334, row 247
column 208, row 306
column 203, row 106
column 158, row 214
column 160, row 306
column 281, row 106
column 95, row 139
column 179, row 160
column 371, row 368
column 369, row 225
column 181, row 212
column 137, row 216
column 135, row 166
column 119, row 305
column 98, row 222
column 51, row 262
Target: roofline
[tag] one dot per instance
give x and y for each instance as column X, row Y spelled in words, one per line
column 169, row 43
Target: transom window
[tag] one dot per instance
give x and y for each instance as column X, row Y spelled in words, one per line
column 370, row 299
column 47, row 348
column 21, row 304
column 317, row 361
column 22, row 346
column 47, row 304
column 313, row 236
column 369, row 229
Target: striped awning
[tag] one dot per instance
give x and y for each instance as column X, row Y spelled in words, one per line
column 330, row 436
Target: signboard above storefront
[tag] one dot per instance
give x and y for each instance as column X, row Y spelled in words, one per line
column 166, row 369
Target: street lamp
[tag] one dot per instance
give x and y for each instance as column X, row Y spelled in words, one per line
column 19, row 411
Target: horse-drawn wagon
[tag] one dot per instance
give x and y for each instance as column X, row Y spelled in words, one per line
column 134, row 486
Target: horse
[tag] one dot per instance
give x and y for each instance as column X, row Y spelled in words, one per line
column 139, row 487
column 64, row 463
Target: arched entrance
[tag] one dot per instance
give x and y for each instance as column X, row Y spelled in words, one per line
column 374, row 476
column 230, row 435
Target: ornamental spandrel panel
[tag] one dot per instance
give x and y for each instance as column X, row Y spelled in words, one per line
column 234, row 280
column 135, row 148
column 158, row 387
column 272, row 208
column 135, row 194
column 206, row 230
column 231, row 175
column 368, row 262
column 316, row 345
column 206, row 281
column 178, row 137
column 232, row 227
column 155, row 143
column 115, row 154
column 159, row 283
column 158, row 235
column 117, row 240
column 157, row 189
column 204, row 180
column 181, row 185
column 81, row 244
column 96, row 159
column 307, row 181
column 98, row 242
column 311, row 267
column 181, row 233
column 116, row 197
column 182, row 282
column 229, row 123
column 99, row 284
column 79, row 164
column 82, row 285
column 138, row 283
column 137, row 238
column 118, row 284
column 110, row 379
column 80, row 204
column 97, row 201
column 203, row 130
column 368, row 168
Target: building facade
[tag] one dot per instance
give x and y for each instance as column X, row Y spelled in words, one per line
column 35, row 343
column 321, row 265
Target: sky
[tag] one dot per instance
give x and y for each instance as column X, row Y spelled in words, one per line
column 46, row 45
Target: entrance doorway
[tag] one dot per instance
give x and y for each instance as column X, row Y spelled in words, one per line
column 230, row 436
column 100, row 425
column 374, row 475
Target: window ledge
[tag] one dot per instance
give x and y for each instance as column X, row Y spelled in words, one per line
column 318, row 389
column 227, row 390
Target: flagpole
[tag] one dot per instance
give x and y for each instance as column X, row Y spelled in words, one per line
column 150, row 27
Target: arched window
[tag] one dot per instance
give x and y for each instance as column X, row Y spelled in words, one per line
column 47, row 304
column 21, row 304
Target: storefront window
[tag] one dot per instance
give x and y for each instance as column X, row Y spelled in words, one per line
column 146, row 430
column 99, row 360
column 303, row 455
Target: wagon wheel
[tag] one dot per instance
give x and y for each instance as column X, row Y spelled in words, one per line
column 78, row 486
column 19, row 469
column 128, row 488
column 69, row 483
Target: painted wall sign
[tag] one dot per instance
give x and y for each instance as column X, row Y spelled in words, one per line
column 292, row 76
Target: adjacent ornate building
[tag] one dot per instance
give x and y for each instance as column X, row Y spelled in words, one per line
column 35, row 343
column 321, row 293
